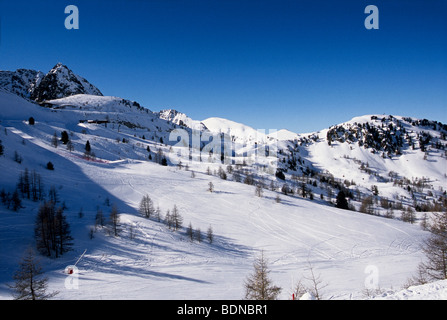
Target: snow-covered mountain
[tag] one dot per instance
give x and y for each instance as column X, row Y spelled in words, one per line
column 289, row 213
column 181, row 119
column 21, row 82
column 59, row 82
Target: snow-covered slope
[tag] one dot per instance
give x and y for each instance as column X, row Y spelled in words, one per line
column 148, row 261
column 237, row 131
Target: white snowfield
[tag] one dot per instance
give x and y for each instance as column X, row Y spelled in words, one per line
column 349, row 251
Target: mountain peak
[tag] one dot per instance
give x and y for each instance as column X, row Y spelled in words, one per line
column 61, row 82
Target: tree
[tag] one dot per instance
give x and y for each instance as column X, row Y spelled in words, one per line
column 30, row 284
column 210, row 235
column 198, row 235
column 146, row 207
column 64, row 137
column 177, row 219
column 70, row 146
column 367, row 205
column 54, row 142
column 190, row 232
column 15, row 201
column 258, row 286
column 258, row 191
column 114, row 220
column 435, row 250
column 51, row 230
column 63, row 234
column 341, row 201
column 88, row 149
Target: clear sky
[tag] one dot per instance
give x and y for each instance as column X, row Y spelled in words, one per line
column 302, row 65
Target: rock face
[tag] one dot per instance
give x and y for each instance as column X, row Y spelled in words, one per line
column 21, row 82
column 59, row 82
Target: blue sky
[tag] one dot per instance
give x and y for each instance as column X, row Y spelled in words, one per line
column 299, row 65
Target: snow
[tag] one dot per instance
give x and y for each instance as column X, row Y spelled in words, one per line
column 148, row 261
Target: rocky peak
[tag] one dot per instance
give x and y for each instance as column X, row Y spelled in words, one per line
column 61, row 82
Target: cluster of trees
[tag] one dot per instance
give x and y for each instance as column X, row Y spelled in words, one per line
column 52, row 231
column 29, row 186
column 173, row 219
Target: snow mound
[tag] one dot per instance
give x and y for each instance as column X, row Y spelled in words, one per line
column 430, row 291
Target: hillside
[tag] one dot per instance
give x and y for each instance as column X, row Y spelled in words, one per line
column 293, row 218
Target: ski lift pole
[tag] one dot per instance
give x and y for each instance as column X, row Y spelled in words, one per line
column 70, row 269
column 80, row 257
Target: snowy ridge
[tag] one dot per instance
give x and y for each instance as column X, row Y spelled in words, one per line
column 181, row 119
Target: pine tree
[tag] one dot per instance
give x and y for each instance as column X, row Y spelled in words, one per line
column 30, row 284
column 341, row 201
column 88, row 149
column 64, row 137
column 258, row 286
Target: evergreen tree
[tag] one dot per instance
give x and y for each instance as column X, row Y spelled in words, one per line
column 88, row 149
column 341, row 201
column 258, row 286
column 30, row 284
column 64, row 137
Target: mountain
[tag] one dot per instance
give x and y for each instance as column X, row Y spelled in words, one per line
column 21, row 82
column 59, row 82
column 286, row 208
column 181, row 119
